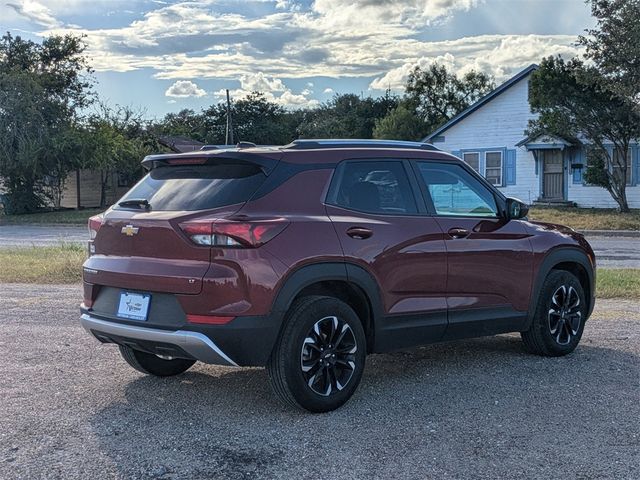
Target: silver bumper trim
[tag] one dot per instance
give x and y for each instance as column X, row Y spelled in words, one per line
column 198, row 345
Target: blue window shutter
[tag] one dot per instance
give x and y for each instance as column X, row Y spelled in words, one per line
column 457, row 153
column 635, row 161
column 578, row 157
column 510, row 167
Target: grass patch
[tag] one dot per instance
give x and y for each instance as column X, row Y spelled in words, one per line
column 618, row 283
column 587, row 218
column 61, row 264
column 61, row 217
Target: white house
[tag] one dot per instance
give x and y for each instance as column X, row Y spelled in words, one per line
column 489, row 136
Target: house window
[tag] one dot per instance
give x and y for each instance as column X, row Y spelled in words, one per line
column 473, row 160
column 124, row 180
column 617, row 160
column 493, row 168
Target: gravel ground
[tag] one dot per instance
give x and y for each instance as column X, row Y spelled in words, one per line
column 71, row 408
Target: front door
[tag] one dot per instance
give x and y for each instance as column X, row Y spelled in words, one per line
column 553, row 175
column 489, row 258
column 382, row 229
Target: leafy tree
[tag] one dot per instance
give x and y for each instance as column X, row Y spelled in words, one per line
column 255, row 119
column 116, row 140
column 185, row 123
column 614, row 46
column 437, row 95
column 42, row 87
column 346, row 116
column 571, row 99
column 401, row 123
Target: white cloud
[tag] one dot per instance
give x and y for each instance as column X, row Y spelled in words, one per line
column 259, row 82
column 379, row 39
column 497, row 55
column 407, row 11
column 35, row 12
column 328, row 90
column 273, row 89
column 184, row 89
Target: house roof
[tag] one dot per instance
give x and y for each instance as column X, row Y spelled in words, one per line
column 487, row 98
column 541, row 141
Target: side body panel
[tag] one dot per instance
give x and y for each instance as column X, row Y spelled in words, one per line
column 406, row 256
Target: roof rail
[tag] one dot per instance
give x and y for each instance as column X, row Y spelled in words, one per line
column 357, row 143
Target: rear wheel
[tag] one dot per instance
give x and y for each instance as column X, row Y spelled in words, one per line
column 559, row 318
column 154, row 365
column 319, row 358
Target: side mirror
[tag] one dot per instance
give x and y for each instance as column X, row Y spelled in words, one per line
column 516, row 209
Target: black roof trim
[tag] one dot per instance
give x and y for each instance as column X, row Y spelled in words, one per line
column 357, row 143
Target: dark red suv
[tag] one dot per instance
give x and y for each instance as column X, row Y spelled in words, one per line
column 307, row 257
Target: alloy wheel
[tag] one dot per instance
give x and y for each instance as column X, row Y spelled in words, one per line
column 564, row 314
column 328, row 356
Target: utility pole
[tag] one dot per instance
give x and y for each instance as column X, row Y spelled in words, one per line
column 228, row 140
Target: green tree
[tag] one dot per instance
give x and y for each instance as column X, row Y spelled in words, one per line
column 614, row 46
column 42, row 88
column 185, row 123
column 401, row 123
column 438, row 95
column 115, row 141
column 572, row 100
column 346, row 116
column 255, row 119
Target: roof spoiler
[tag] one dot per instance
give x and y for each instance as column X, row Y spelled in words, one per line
column 210, row 157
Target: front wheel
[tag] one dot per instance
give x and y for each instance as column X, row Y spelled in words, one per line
column 559, row 318
column 319, row 358
column 154, row 365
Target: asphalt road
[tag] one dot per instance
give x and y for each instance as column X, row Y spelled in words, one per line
column 70, row 408
column 611, row 252
column 30, row 235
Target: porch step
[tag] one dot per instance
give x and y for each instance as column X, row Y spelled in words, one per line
column 554, row 203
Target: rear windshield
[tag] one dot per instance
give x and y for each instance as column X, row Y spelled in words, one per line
column 197, row 187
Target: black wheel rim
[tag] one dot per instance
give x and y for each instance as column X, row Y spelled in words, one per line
column 564, row 315
column 328, row 356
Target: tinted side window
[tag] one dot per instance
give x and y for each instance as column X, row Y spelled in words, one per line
column 374, row 187
column 455, row 192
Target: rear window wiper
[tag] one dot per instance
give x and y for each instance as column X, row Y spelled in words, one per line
column 136, row 202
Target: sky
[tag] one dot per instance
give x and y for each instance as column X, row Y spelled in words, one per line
column 161, row 56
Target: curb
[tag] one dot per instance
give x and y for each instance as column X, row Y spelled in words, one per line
column 611, row 233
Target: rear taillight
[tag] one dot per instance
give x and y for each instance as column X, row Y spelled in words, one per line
column 95, row 223
column 225, row 233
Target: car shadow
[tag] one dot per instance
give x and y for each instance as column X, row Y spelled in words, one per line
column 218, row 422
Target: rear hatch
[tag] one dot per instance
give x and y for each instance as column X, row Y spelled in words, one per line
column 139, row 243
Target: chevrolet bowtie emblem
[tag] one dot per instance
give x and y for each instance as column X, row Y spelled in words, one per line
column 130, row 230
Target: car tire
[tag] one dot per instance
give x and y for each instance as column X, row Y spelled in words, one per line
column 559, row 318
column 153, row 365
column 319, row 358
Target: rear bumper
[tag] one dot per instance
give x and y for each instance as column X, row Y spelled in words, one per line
column 246, row 341
column 195, row 344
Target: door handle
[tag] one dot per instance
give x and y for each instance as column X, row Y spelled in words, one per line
column 458, row 232
column 359, row 233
